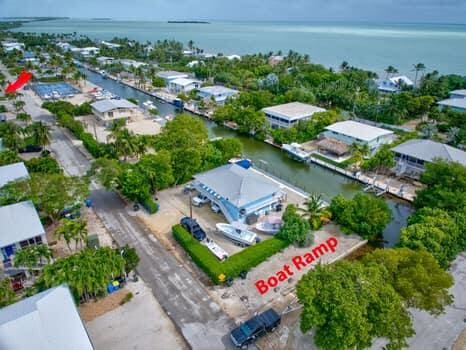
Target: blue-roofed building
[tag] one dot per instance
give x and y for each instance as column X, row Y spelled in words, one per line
column 46, row 321
column 13, row 172
column 239, row 192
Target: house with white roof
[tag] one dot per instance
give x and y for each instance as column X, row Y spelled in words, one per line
column 104, row 60
column 13, row 172
column 110, row 45
column 458, row 93
column 233, row 57
column 86, row 51
column 46, row 321
column 180, row 85
column 350, row 132
column 393, row 84
column 217, row 93
column 107, row 111
column 454, row 104
column 171, row 75
column 128, row 64
column 412, row 155
column 288, row 114
column 240, row 193
column 20, row 227
column 9, row 46
column 276, row 59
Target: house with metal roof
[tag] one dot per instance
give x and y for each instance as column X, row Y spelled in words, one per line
column 240, row 193
column 46, row 321
column 20, row 227
column 107, row 111
column 393, row 84
column 455, row 104
column 171, row 75
column 177, row 86
column 13, row 172
column 350, row 132
column 217, row 92
column 412, row 155
column 461, row 93
column 288, row 114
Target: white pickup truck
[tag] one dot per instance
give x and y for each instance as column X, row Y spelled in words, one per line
column 199, row 200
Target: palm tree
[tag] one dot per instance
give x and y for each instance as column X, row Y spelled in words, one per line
column 19, row 105
column 40, row 132
column 72, row 230
column 359, row 151
column 315, row 211
column 344, row 65
column 24, row 117
column 419, row 67
column 390, row 70
column 13, row 137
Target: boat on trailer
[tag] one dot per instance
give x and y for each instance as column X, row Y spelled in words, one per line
column 237, row 234
column 269, row 226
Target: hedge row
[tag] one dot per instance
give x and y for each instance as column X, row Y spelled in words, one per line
column 150, row 205
column 235, row 264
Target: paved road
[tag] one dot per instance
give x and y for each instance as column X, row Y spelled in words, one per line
column 185, row 299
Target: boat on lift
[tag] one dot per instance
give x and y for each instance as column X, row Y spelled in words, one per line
column 238, row 234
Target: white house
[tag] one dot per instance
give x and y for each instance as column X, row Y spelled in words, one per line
column 65, row 46
column 412, row 155
column 13, row 172
column 286, row 115
column 180, row 85
column 393, row 84
column 127, row 63
column 107, row 111
column 20, row 227
column 104, row 60
column 111, row 45
column 46, row 321
column 350, row 132
column 171, row 75
column 458, row 93
column 217, row 92
column 86, row 51
column 233, row 57
column 9, row 46
column 275, row 59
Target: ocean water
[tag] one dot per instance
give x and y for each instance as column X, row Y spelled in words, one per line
column 440, row 47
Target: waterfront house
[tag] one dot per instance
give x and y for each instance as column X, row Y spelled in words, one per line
column 46, row 321
column 458, row 93
column 233, row 57
column 177, row 86
column 20, row 227
column 104, row 60
column 129, row 64
column 350, row 132
column 86, row 51
column 412, row 155
column 65, row 46
column 286, row 115
column 393, row 84
column 454, row 104
column 107, row 111
column 242, row 194
column 217, row 93
column 13, row 172
column 9, row 46
column 171, row 75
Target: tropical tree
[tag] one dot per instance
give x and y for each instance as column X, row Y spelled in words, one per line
column 295, row 229
column 131, row 258
column 359, row 151
column 7, row 295
column 72, row 230
column 390, row 70
column 315, row 211
column 418, row 67
column 40, row 133
column 33, row 257
column 19, row 105
column 24, row 117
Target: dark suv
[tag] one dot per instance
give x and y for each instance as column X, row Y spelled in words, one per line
column 193, row 228
column 254, row 328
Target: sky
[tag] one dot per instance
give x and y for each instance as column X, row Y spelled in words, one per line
column 439, row 11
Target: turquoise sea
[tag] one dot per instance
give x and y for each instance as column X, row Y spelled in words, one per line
column 440, row 47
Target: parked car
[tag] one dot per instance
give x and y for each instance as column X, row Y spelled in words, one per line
column 254, row 328
column 215, row 208
column 199, row 200
column 188, row 188
column 193, row 228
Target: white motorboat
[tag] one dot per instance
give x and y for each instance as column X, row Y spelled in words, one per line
column 239, row 235
column 270, row 226
column 218, row 251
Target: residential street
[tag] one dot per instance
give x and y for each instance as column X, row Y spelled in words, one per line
column 199, row 318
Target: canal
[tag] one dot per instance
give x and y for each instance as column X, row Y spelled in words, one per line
column 309, row 177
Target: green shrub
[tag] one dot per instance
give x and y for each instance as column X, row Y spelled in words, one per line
column 127, row 298
column 235, row 264
column 3, row 109
column 150, row 205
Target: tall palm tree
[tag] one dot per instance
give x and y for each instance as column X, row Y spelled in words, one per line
column 418, row 67
column 315, row 212
column 40, row 132
column 359, row 151
column 390, row 70
column 13, row 137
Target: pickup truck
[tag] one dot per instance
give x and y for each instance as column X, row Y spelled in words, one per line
column 254, row 328
column 199, row 200
column 193, row 228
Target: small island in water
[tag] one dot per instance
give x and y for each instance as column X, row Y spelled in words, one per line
column 189, row 22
